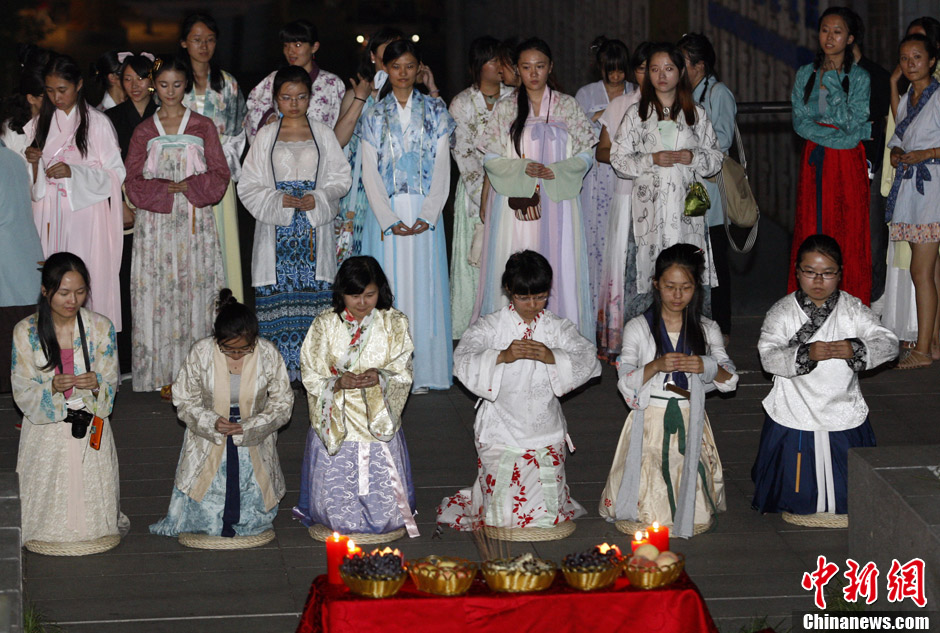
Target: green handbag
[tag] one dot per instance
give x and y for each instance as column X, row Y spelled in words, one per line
column 697, row 201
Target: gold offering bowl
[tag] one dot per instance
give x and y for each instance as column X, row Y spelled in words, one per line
column 517, row 581
column 372, row 588
column 442, row 575
column 591, row 579
column 654, row 577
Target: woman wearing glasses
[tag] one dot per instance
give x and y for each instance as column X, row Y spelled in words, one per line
column 814, row 342
column 232, row 394
column 292, row 181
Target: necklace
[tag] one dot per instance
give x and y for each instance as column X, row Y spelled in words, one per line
column 490, row 99
column 666, row 111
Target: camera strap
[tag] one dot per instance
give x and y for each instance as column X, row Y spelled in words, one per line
column 81, row 333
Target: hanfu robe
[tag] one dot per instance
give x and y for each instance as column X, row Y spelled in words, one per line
column 202, row 394
column 645, row 482
column 520, row 431
column 294, row 255
column 406, row 175
column 227, row 111
column 83, row 214
column 359, row 232
column 69, row 491
column 325, row 99
column 470, row 114
column 619, row 245
column 597, row 193
column 833, row 190
column 561, row 138
column 658, row 204
column 356, row 475
column 815, row 408
column 176, row 268
column 20, row 252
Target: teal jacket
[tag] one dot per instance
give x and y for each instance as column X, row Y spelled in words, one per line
column 847, row 112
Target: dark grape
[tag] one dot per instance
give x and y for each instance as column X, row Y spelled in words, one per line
column 374, row 566
column 591, row 560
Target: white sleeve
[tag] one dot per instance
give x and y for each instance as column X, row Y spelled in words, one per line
column 440, row 183
column 255, row 188
column 375, row 188
column 90, row 185
column 575, row 360
column 475, row 361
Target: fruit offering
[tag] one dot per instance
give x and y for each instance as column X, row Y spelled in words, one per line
column 524, row 563
column 649, row 568
column 384, row 565
column 597, row 558
column 441, row 575
column 520, row 574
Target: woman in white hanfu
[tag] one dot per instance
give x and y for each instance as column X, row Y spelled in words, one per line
column 814, row 342
column 471, row 109
column 665, row 143
column 520, row 360
column 64, row 365
column 671, row 357
column 76, row 171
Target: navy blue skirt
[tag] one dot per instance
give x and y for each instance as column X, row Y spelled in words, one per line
column 774, row 471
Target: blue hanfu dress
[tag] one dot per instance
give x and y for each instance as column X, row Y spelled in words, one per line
column 406, row 174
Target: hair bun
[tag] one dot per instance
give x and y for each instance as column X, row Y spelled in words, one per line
column 226, row 298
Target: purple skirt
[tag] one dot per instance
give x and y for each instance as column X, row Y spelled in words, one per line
column 333, row 494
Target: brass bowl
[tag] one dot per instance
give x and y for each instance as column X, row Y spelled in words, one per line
column 517, row 581
column 589, row 580
column 442, row 575
column 653, row 578
column 371, row 588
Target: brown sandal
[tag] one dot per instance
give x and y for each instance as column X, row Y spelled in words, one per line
column 915, row 360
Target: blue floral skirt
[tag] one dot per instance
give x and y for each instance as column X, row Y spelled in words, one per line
column 287, row 308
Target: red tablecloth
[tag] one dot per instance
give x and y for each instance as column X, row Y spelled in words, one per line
column 678, row 608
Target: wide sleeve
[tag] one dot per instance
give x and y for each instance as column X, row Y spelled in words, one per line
column 375, row 188
column 334, row 177
column 104, row 362
column 475, row 359
column 147, row 194
column 492, row 140
column 192, row 382
column 575, row 360
column 706, row 158
column 277, row 407
column 881, row 344
column 256, row 186
column 777, row 356
column 396, row 377
column 316, row 370
column 91, row 184
column 716, row 350
column 434, row 202
column 260, row 102
column 469, row 160
column 632, row 363
column 207, row 188
column 233, row 140
column 569, row 177
column 32, row 388
column 508, row 178
column 627, row 155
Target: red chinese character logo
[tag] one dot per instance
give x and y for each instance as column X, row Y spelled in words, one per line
column 862, row 583
column 817, row 580
column 907, row 581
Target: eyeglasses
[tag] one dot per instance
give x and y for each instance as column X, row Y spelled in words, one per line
column 236, row 352
column 531, row 298
column 812, row 274
column 289, row 99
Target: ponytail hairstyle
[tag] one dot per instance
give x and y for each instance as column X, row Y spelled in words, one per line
column 53, row 271
column 698, row 48
column 16, row 111
column 393, row 51
column 853, row 24
column 648, row 97
column 691, row 259
column 352, row 278
column 216, row 81
column 522, row 97
column 610, row 56
column 384, row 35
column 65, row 67
column 107, row 64
column 482, row 50
column 234, row 319
column 929, row 46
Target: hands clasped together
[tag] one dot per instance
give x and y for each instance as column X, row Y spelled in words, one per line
column 306, row 203
column 676, row 361
column 826, row 350
column 58, row 170
column 351, row 380
column 63, row 382
column 401, row 229
column 526, row 350
column 669, row 159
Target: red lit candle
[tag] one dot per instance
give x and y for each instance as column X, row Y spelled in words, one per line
column 352, row 549
column 336, row 550
column 659, row 537
column 640, row 538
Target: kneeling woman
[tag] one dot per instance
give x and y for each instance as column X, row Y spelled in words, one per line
column 64, row 372
column 520, row 360
column 814, row 342
column 671, row 356
column 233, row 395
column 356, row 367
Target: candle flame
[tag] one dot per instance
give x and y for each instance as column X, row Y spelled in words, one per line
column 655, row 526
column 335, row 537
column 638, row 536
column 351, row 545
column 604, row 548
